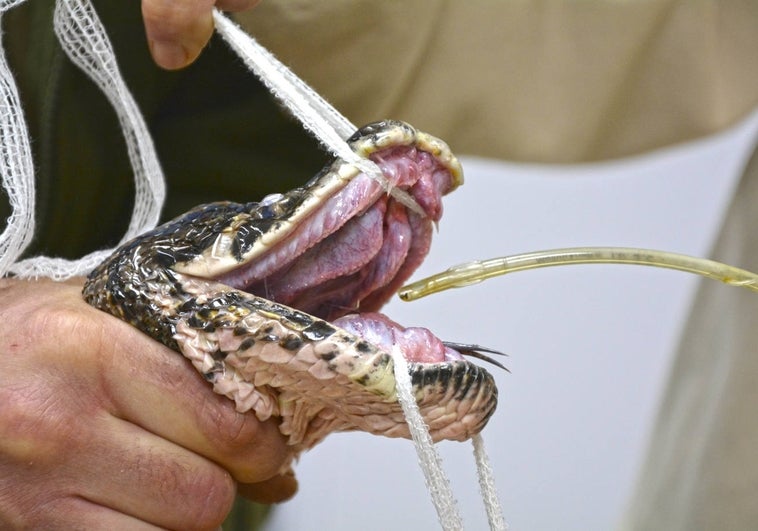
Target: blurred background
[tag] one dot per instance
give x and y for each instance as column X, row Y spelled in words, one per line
column 590, row 346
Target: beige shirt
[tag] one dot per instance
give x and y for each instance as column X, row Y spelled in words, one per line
column 567, row 81
column 548, row 81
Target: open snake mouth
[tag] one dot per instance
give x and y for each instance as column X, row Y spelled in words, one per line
column 357, row 246
column 342, row 245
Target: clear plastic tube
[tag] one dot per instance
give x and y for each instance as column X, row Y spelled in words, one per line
column 474, row 272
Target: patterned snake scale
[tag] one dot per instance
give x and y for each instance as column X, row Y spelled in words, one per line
column 220, row 284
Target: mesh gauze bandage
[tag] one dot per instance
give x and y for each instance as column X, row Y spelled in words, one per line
column 84, row 40
column 15, row 165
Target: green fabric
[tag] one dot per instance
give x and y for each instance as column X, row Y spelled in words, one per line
column 217, row 131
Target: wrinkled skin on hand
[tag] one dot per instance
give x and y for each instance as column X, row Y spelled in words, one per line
column 178, row 30
column 104, row 428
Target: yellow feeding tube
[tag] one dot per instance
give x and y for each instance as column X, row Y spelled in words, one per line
column 476, row 271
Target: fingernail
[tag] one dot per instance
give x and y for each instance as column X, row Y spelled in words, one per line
column 168, row 55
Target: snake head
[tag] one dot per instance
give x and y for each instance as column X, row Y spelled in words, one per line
column 275, row 302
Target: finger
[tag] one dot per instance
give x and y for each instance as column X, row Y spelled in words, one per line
column 177, row 30
column 153, row 386
column 173, row 401
column 236, row 5
column 161, row 482
column 277, row 489
column 78, row 513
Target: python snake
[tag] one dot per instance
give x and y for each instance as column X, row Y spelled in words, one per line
column 262, row 297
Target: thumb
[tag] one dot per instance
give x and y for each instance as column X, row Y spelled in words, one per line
column 177, row 30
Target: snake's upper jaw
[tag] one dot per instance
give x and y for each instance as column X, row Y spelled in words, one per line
column 342, row 243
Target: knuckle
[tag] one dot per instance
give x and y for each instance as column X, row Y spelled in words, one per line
column 59, row 324
column 226, row 428
column 202, row 495
column 25, row 498
column 161, row 11
column 53, row 512
column 178, row 490
column 251, row 449
column 34, row 427
column 30, row 327
column 33, row 447
column 236, row 5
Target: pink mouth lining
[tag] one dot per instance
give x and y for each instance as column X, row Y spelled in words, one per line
column 358, row 248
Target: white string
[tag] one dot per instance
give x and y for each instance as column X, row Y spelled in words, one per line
column 84, row 40
column 429, row 459
column 487, row 486
column 316, row 114
column 16, row 166
column 281, row 80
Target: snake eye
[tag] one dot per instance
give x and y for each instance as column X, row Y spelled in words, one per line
column 270, row 199
column 270, row 207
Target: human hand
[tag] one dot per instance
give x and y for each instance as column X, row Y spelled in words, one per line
column 178, row 30
column 103, row 428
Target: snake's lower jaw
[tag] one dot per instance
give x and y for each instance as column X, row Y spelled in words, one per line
column 318, row 377
column 456, row 399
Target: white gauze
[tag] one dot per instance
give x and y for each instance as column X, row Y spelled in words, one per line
column 84, row 40
column 16, row 167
